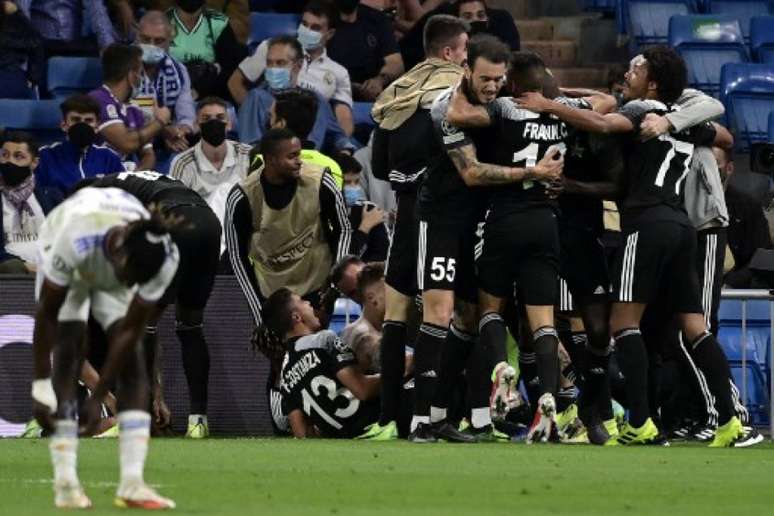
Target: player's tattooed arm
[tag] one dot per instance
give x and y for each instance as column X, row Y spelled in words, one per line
column 475, row 173
column 462, row 113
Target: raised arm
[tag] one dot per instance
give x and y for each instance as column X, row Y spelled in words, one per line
column 584, row 119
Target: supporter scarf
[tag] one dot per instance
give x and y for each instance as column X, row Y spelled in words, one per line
column 18, row 196
column 417, row 88
column 168, row 84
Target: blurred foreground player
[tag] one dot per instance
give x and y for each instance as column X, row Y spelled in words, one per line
column 94, row 249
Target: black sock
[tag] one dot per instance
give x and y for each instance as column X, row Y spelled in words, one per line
column 493, row 337
column 427, row 359
column 393, row 359
column 597, row 381
column 546, row 344
column 709, row 357
column 564, row 398
column 454, row 356
column 479, row 379
column 528, row 368
column 633, row 361
column 196, row 364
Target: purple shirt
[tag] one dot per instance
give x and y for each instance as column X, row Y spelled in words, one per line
column 113, row 111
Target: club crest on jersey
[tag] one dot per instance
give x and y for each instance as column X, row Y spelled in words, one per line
column 451, row 134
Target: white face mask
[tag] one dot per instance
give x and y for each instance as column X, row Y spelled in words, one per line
column 309, row 39
column 151, row 54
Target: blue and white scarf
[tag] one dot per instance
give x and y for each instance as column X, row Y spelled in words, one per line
column 168, row 84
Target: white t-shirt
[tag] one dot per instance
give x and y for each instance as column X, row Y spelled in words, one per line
column 21, row 239
column 72, row 238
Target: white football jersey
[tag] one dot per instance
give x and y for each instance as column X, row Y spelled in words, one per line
column 71, row 242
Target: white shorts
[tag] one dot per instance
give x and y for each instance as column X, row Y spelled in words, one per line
column 107, row 306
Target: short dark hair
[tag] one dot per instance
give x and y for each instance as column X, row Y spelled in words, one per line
column 372, row 273
column 440, row 32
column 270, row 142
column 212, row 100
column 81, row 103
column 337, row 271
column 322, row 8
column 291, row 41
column 22, row 137
column 521, row 64
column 277, row 314
column 298, row 108
column 616, row 74
column 118, row 60
column 488, row 47
column 460, row 2
column 347, row 163
column 667, row 69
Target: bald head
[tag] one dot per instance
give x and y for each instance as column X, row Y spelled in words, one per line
column 154, row 29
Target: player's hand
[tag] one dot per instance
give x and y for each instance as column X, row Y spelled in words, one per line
column 555, row 188
column 175, row 138
column 91, row 416
column 533, row 101
column 653, row 126
column 161, row 413
column 43, row 416
column 372, row 217
column 549, row 168
column 372, row 87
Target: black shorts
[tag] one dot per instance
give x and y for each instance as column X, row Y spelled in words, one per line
column 445, row 259
column 658, row 257
column 198, row 242
column 401, row 273
column 523, row 248
column 583, row 267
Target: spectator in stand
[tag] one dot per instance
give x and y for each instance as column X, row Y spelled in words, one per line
column 21, row 53
column 318, row 73
column 364, row 335
column 206, row 43
column 65, row 163
column 365, row 45
column 616, row 80
column 214, row 165
column 283, row 66
column 166, row 79
column 238, row 12
column 63, row 23
column 24, row 204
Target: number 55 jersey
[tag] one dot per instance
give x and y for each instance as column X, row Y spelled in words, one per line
column 309, row 383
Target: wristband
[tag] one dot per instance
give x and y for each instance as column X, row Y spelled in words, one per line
column 43, row 393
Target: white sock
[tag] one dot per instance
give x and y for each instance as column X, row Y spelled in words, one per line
column 480, row 417
column 64, row 452
column 419, row 419
column 133, row 437
column 193, row 419
column 437, row 414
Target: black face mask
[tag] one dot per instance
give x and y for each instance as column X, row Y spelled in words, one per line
column 190, row 6
column 478, row 27
column 14, row 175
column 213, row 132
column 81, row 134
column 346, row 6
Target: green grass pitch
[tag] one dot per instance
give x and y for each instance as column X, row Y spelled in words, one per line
column 284, row 476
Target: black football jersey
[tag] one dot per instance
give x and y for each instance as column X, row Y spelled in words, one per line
column 308, row 382
column 151, row 187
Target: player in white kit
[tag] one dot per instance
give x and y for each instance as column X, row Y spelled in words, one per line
column 100, row 252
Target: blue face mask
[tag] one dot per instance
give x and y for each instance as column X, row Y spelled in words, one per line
column 151, row 54
column 278, row 78
column 309, row 39
column 353, row 195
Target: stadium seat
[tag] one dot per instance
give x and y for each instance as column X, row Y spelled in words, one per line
column 70, row 75
column 771, row 127
column 741, row 10
column 762, row 38
column 604, row 6
column 730, row 312
column 706, row 42
column 757, row 395
column 364, row 123
column 747, row 91
column 267, row 25
column 39, row 117
column 345, row 311
column 647, row 22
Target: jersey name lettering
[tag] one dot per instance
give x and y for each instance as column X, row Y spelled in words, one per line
column 553, row 132
column 296, row 373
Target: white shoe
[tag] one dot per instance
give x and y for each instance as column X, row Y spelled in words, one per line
column 70, row 496
column 503, row 386
column 141, row 496
column 543, row 426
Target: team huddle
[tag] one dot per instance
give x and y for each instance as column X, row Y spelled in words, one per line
column 500, row 178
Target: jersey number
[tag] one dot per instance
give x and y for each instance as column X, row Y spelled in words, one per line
column 323, row 382
column 438, row 270
column 142, row 174
column 529, row 155
column 676, row 147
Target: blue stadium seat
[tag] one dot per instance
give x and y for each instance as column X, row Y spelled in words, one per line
column 605, row 6
column 762, row 38
column 730, row 312
column 344, row 311
column 70, row 75
column 364, row 123
column 39, row 117
column 747, row 90
column 647, row 22
column 267, row 25
column 742, row 10
column 706, row 42
column 771, row 127
column 757, row 394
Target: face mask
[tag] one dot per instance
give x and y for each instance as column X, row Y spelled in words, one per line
column 213, row 132
column 309, row 39
column 353, row 194
column 278, row 78
column 13, row 175
column 151, row 54
column 477, row 27
column 190, row 6
column 346, row 6
column 81, row 134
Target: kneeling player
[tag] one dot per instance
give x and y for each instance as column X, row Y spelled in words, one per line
column 94, row 249
column 323, row 391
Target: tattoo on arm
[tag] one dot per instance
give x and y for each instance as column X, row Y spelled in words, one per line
column 475, row 173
